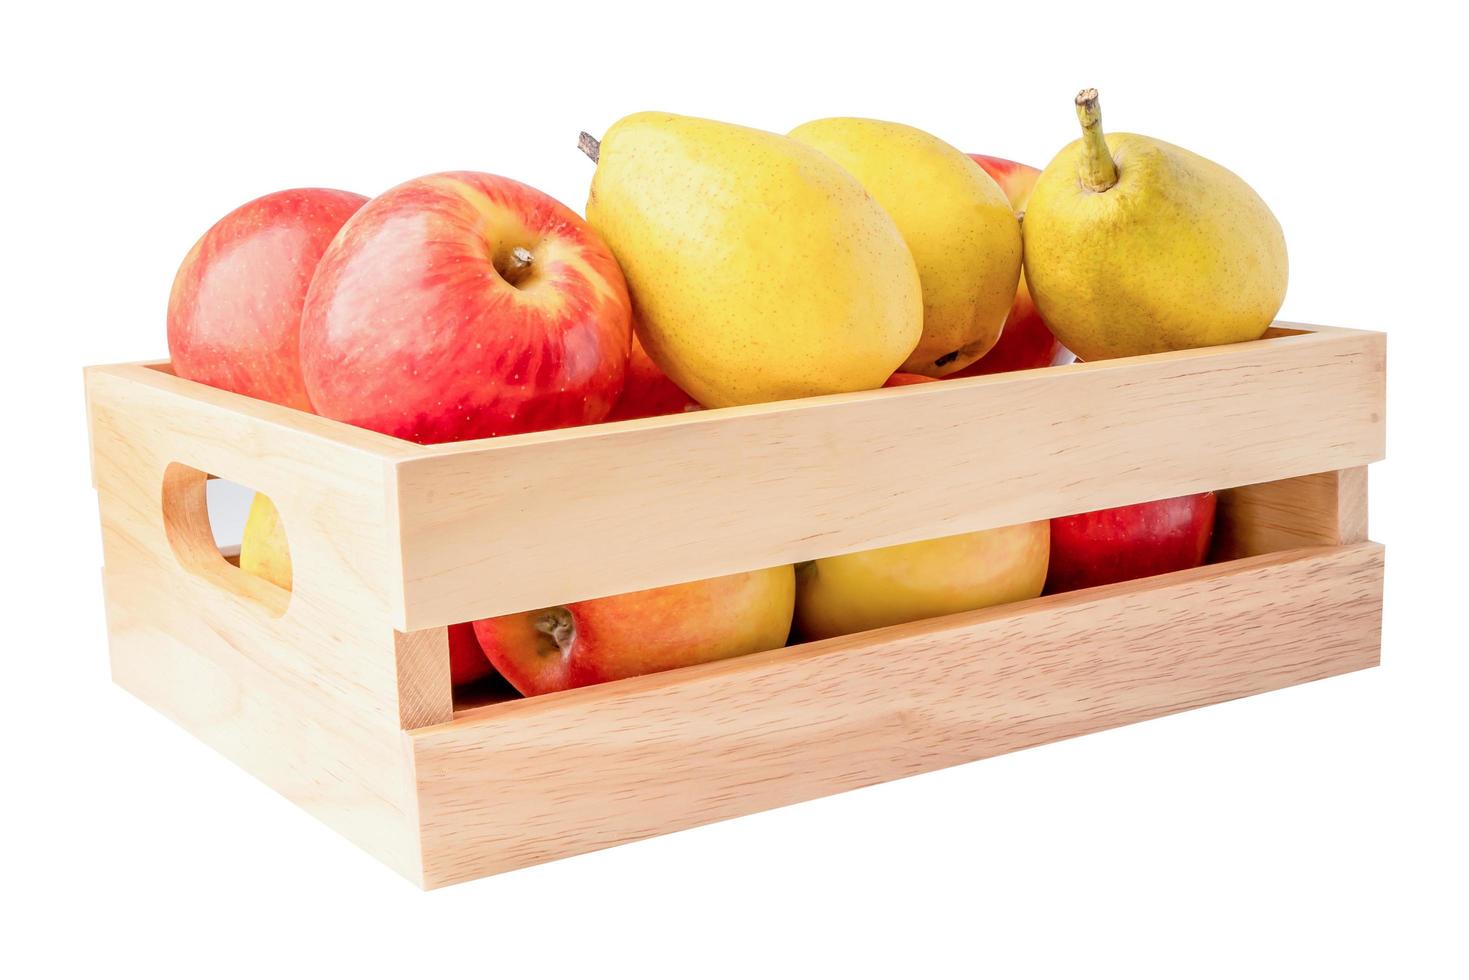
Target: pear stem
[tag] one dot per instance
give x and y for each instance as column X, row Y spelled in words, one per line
column 1098, row 171
column 589, row 145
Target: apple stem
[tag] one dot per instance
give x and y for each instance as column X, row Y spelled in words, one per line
column 589, row 145
column 1098, row 170
column 559, row 626
column 517, row 265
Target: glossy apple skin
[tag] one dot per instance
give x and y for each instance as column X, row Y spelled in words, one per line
column 1135, row 541
column 264, row 551
column 1026, row 342
column 908, row 582
column 641, row 632
column 467, row 662
column 901, row 379
column 234, row 315
column 648, row 391
column 412, row 328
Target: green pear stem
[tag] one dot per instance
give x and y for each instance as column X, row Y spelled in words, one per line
column 589, row 145
column 1098, row 171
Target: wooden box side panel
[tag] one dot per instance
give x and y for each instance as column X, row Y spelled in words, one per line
column 155, row 437
column 350, row 774
column 302, row 688
column 530, row 781
column 523, row 522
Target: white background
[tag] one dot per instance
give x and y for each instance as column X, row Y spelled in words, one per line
column 1311, row 832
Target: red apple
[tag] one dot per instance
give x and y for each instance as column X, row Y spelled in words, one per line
column 464, row 305
column 1026, row 341
column 467, row 661
column 641, row 632
column 234, row 316
column 648, row 391
column 901, row 378
column 1130, row 542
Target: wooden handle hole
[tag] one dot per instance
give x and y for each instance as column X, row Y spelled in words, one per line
column 203, row 541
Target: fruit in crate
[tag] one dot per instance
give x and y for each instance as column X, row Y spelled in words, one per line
column 265, row 552
column 467, row 662
column 641, row 632
column 1135, row 246
column 648, row 391
column 956, row 221
column 899, row 584
column 1026, row 342
column 761, row 270
column 1134, row 541
column 234, row 314
column 465, row 305
column 902, row 379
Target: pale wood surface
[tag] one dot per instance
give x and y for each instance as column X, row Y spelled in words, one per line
column 186, row 526
column 300, row 688
column 530, row 781
column 159, row 375
column 1318, row 509
column 425, row 694
column 502, row 525
column 336, row 693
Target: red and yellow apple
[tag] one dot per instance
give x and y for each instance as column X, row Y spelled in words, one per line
column 265, row 552
column 899, row 584
column 1026, row 341
column 234, row 315
column 635, row 633
column 648, row 391
column 467, row 661
column 901, row 379
column 1135, row 541
column 464, row 305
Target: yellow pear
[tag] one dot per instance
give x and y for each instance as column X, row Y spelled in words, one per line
column 1134, row 246
column 263, row 548
column 907, row 582
column 956, row 220
column 759, row 269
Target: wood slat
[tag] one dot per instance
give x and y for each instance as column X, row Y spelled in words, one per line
column 502, row 525
column 529, row 781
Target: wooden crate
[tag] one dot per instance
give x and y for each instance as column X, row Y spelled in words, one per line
column 337, row 693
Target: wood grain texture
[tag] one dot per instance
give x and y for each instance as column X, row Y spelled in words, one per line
column 497, row 526
column 425, row 693
column 524, row 782
column 186, row 526
column 1318, row 509
column 300, row 688
column 336, row 692
column 159, row 375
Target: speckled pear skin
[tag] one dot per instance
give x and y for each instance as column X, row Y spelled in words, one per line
column 956, row 220
column 759, row 269
column 1179, row 253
